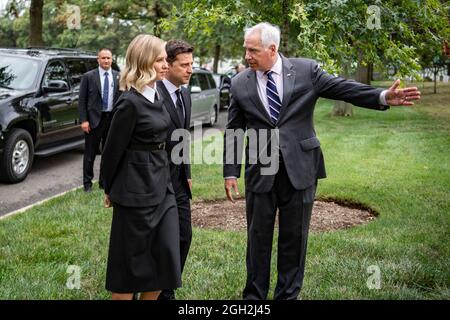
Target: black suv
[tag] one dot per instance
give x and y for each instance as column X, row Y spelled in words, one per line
column 223, row 83
column 39, row 105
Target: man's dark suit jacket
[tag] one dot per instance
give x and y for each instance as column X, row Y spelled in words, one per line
column 303, row 83
column 134, row 177
column 176, row 124
column 90, row 100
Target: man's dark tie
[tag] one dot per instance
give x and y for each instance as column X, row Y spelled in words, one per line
column 105, row 92
column 272, row 97
column 179, row 106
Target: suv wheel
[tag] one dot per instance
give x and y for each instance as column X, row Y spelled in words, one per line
column 213, row 116
column 18, row 156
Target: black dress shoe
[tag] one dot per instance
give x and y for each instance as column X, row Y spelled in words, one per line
column 167, row 295
column 87, row 188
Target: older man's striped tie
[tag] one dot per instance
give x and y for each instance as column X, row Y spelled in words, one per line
column 272, row 97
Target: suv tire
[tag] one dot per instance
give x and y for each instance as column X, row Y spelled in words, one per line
column 18, row 156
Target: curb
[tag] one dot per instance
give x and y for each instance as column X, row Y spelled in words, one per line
column 13, row 213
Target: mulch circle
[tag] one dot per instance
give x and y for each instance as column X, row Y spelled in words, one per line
column 327, row 215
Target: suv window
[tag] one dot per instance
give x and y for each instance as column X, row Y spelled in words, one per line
column 55, row 72
column 17, row 72
column 76, row 70
column 203, row 81
column 194, row 81
column 216, row 78
column 212, row 83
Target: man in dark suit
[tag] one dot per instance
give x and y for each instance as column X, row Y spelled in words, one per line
column 277, row 96
column 177, row 101
column 99, row 90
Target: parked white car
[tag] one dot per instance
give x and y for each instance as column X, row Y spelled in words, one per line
column 205, row 98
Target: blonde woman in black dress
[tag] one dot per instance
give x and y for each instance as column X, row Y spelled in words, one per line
column 144, row 254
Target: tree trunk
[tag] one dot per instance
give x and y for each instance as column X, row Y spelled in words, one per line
column 216, row 58
column 285, row 28
column 14, row 39
column 341, row 108
column 435, row 80
column 363, row 73
column 116, row 41
column 36, row 9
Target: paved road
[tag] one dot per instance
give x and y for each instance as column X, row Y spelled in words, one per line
column 53, row 175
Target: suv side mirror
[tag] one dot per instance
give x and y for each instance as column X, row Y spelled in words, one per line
column 195, row 89
column 56, row 86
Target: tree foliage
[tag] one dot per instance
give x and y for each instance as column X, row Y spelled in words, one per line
column 103, row 23
column 338, row 33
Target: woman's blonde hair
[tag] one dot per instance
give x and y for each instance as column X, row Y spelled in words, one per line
column 141, row 55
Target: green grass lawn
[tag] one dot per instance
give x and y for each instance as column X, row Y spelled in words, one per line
column 395, row 162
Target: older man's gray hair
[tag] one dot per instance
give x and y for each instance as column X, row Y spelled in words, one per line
column 270, row 34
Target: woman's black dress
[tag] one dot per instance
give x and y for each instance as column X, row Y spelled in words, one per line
column 144, row 252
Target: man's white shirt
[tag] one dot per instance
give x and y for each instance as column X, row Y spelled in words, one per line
column 277, row 76
column 171, row 88
column 111, row 85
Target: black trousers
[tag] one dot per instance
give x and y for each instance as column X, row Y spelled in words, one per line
column 295, row 207
column 92, row 141
column 184, row 215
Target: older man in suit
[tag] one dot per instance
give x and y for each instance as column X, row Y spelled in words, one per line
column 99, row 90
column 177, row 101
column 277, row 95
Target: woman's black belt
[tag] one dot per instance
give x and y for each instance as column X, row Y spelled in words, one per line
column 147, row 147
